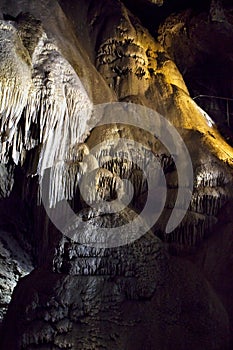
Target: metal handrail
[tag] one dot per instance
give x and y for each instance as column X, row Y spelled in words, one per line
column 217, row 97
column 227, row 99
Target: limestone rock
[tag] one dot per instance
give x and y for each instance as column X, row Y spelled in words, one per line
column 59, row 59
column 14, row 264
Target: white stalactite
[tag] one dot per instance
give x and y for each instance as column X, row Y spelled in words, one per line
column 46, row 93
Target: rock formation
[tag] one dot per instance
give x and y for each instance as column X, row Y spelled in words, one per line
column 67, row 68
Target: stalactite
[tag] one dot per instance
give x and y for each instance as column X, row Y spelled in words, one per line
column 15, row 82
column 50, row 96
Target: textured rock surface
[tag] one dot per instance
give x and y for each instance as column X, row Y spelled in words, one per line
column 58, row 60
column 201, row 45
column 132, row 297
column 15, row 263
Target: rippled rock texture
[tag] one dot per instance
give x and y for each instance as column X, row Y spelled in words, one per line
column 59, row 61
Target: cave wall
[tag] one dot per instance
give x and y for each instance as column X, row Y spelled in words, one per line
column 59, row 60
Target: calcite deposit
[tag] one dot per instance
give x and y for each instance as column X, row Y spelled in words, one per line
column 74, row 170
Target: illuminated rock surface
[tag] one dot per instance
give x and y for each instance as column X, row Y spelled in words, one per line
column 58, row 60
